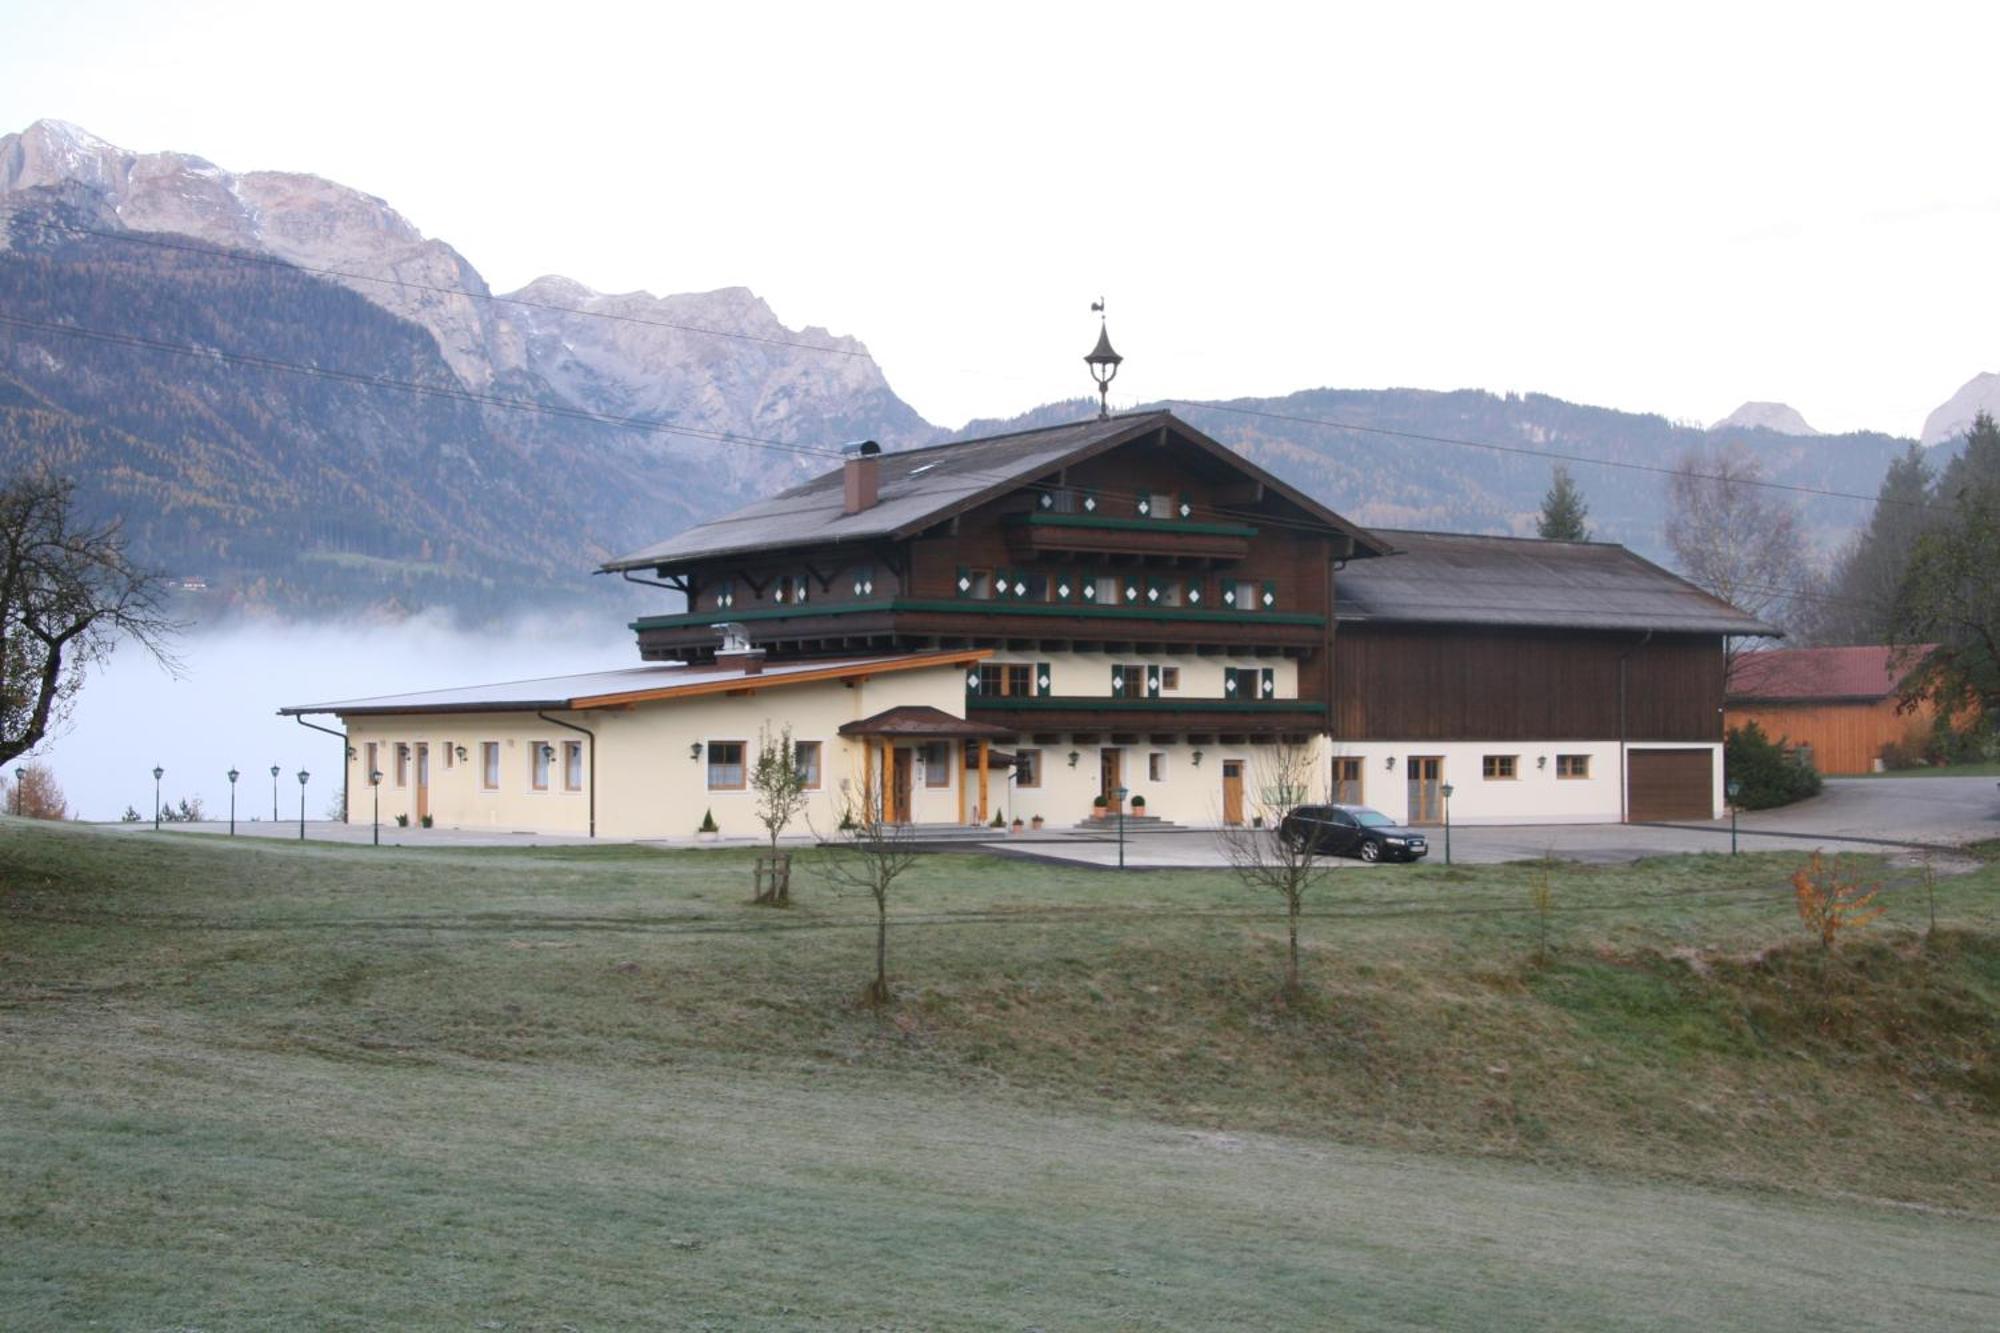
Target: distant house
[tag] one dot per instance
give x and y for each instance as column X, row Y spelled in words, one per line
column 1836, row 705
column 1124, row 606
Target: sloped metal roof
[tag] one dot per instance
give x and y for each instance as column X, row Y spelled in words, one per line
column 1459, row 578
column 597, row 688
column 920, row 487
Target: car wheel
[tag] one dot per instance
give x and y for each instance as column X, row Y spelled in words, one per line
column 1371, row 851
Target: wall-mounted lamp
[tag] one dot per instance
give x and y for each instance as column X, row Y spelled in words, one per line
column 460, row 751
column 1389, row 764
column 1541, row 761
column 1196, row 758
column 548, row 751
column 1073, row 757
column 694, row 751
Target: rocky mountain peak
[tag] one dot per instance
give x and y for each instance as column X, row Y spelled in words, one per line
column 1779, row 417
column 1954, row 417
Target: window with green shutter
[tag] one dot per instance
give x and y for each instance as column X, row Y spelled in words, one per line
column 1268, row 598
column 1267, row 684
column 1118, row 680
column 1193, row 593
column 1044, row 679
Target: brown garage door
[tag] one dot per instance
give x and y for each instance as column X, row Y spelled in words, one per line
column 1670, row 784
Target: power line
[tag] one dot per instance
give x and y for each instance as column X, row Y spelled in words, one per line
column 1537, row 453
column 454, row 393
column 343, row 275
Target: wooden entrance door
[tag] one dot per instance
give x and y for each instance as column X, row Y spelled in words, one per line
column 1110, row 777
column 1426, row 774
column 423, row 782
column 1232, row 791
column 899, row 788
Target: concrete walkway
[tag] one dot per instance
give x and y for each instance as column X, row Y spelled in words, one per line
column 1854, row 813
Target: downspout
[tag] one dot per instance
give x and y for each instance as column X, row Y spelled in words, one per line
column 1624, row 779
column 586, row 731
column 346, row 753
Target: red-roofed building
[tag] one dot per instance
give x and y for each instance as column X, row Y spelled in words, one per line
column 1838, row 702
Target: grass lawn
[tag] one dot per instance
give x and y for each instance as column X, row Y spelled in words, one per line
column 270, row 1085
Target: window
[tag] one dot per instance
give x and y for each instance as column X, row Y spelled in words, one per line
column 1498, row 766
column 489, row 765
column 1058, row 501
column 539, row 755
column 1155, row 505
column 725, row 594
column 572, row 765
column 725, row 765
column 805, row 758
column 1347, row 780
column 374, row 763
column 976, row 584
column 1128, row 681
column 1170, row 678
column 864, row 581
column 937, row 763
column 449, row 750
column 1242, row 595
column 1164, row 592
column 1027, row 768
column 1156, row 767
column 792, row 588
column 402, row 764
column 1572, row 765
column 1006, row 679
column 1249, row 683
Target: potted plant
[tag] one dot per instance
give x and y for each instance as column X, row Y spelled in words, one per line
column 999, row 820
column 425, row 821
column 1016, row 825
column 1035, row 823
column 1099, row 807
column 402, row 821
column 1138, row 807
column 709, row 831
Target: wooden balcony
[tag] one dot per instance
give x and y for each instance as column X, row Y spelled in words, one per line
column 915, row 623
column 1032, row 537
column 1073, row 713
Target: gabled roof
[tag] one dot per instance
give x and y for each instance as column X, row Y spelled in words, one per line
column 1458, row 578
column 612, row 689
column 1815, row 674
column 922, row 487
column 922, row 722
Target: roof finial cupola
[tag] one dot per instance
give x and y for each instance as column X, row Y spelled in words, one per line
column 1103, row 362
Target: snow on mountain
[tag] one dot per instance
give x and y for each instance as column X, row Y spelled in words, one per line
column 1953, row 418
column 1766, row 416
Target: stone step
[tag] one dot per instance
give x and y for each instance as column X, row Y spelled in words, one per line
column 1133, row 823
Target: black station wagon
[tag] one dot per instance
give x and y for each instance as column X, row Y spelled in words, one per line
column 1352, row 830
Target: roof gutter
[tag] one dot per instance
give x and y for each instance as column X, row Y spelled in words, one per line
column 586, row 731
column 347, row 753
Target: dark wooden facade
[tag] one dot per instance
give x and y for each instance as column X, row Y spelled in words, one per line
column 1465, row 683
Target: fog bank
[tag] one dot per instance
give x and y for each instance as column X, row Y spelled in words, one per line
column 221, row 711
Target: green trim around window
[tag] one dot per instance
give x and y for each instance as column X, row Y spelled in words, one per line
column 1100, row 703
column 984, row 608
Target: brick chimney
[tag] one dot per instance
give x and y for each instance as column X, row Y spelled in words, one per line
column 861, row 476
column 737, row 652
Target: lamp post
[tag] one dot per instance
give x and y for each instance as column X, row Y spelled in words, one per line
column 1734, row 789
column 20, row 776
column 274, row 793
column 375, row 781
column 233, row 775
column 158, row 773
column 1118, row 795
column 303, row 775
column 1446, row 791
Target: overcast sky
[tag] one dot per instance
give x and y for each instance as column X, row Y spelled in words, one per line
column 1668, row 212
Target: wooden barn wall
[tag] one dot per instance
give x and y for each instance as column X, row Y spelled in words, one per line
column 1845, row 738
column 1471, row 684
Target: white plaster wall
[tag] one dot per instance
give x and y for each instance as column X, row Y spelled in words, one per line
column 1535, row 796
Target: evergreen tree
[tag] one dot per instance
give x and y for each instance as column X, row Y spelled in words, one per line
column 1563, row 511
column 1950, row 594
column 1861, row 592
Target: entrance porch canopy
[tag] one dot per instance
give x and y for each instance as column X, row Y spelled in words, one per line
column 920, row 722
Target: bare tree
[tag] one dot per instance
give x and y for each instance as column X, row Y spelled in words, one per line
column 68, row 594
column 1262, row 855
column 870, row 852
column 780, row 786
column 1736, row 539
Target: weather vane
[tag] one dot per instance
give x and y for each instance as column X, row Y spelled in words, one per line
column 1103, row 362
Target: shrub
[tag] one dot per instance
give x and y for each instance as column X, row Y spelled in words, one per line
column 1830, row 906
column 1768, row 775
column 708, row 824
column 35, row 796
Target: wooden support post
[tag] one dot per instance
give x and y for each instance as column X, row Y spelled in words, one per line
column 959, row 777
column 888, row 811
column 983, row 748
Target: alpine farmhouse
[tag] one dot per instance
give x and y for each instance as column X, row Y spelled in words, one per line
column 1014, row 626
